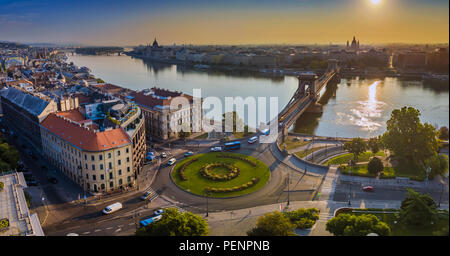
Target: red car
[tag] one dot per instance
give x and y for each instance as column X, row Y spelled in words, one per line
column 368, row 189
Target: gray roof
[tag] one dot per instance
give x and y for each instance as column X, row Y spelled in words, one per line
column 30, row 103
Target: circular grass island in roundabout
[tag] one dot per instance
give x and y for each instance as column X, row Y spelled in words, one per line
column 220, row 174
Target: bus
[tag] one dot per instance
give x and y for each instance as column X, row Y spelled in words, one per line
column 232, row 145
column 265, row 132
column 148, row 221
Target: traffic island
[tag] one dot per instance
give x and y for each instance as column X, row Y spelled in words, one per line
column 220, row 175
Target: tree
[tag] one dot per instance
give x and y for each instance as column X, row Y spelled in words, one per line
column 237, row 121
column 374, row 145
column 443, row 133
column 408, row 138
column 350, row 225
column 182, row 134
column 356, row 146
column 100, row 81
column 375, row 165
column 418, row 209
column 303, row 218
column 174, row 223
column 438, row 164
column 272, row 224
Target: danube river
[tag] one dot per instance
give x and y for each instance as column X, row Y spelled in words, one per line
column 355, row 107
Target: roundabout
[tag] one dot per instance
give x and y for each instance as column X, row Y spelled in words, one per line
column 220, row 175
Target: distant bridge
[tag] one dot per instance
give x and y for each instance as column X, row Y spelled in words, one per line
column 306, row 96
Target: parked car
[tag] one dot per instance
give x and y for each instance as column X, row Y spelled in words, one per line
column 53, row 180
column 368, row 189
column 158, row 212
column 216, row 149
column 253, row 139
column 189, row 153
column 163, row 155
column 171, row 161
column 146, row 195
column 112, row 208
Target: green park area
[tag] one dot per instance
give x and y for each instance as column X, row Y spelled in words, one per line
column 345, row 158
column 308, row 151
column 399, row 228
column 220, row 174
column 294, row 142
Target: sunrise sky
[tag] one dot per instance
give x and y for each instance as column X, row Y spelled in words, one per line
column 133, row 22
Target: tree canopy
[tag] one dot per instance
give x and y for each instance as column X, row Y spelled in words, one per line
column 374, row 145
column 272, row 224
column 418, row 209
column 350, row 225
column 9, row 156
column 174, row 223
column 443, row 133
column 375, row 165
column 356, row 146
column 408, row 138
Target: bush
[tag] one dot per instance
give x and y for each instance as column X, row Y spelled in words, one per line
column 304, row 223
column 2, row 185
column 233, row 189
column 375, row 165
column 232, row 173
column 4, row 223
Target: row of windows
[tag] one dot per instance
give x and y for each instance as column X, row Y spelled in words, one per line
column 102, row 176
column 111, row 183
column 119, row 162
column 100, row 157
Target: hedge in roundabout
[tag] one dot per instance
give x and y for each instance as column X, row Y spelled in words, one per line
column 218, row 174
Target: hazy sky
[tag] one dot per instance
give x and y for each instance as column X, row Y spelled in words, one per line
column 132, row 22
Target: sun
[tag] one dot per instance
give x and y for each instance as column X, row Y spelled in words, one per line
column 375, row 1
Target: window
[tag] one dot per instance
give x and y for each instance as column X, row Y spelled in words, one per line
column 110, row 165
column 118, row 152
column 119, row 162
column 129, row 178
column 128, row 169
column 87, row 176
column 85, row 157
column 109, row 155
column 120, row 172
column 100, row 157
column 127, row 150
column 102, row 177
column 101, row 166
column 128, row 159
column 111, row 184
column 102, row 186
column 93, row 167
column 120, row 181
column 110, row 175
column 93, row 158
column 87, row 167
column 94, row 177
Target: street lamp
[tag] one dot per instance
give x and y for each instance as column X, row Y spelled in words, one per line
column 289, row 182
column 207, row 205
column 349, row 194
column 428, row 170
column 440, row 196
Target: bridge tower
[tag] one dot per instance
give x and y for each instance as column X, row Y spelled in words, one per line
column 307, row 79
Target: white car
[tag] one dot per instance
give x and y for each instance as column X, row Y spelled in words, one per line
column 216, row 149
column 253, row 139
column 163, row 155
column 158, row 212
column 171, row 161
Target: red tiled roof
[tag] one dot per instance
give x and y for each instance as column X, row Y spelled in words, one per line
column 84, row 138
column 73, row 115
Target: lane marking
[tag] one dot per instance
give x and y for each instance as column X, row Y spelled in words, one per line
column 87, row 232
column 131, row 224
column 119, row 229
column 109, row 228
column 97, row 230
